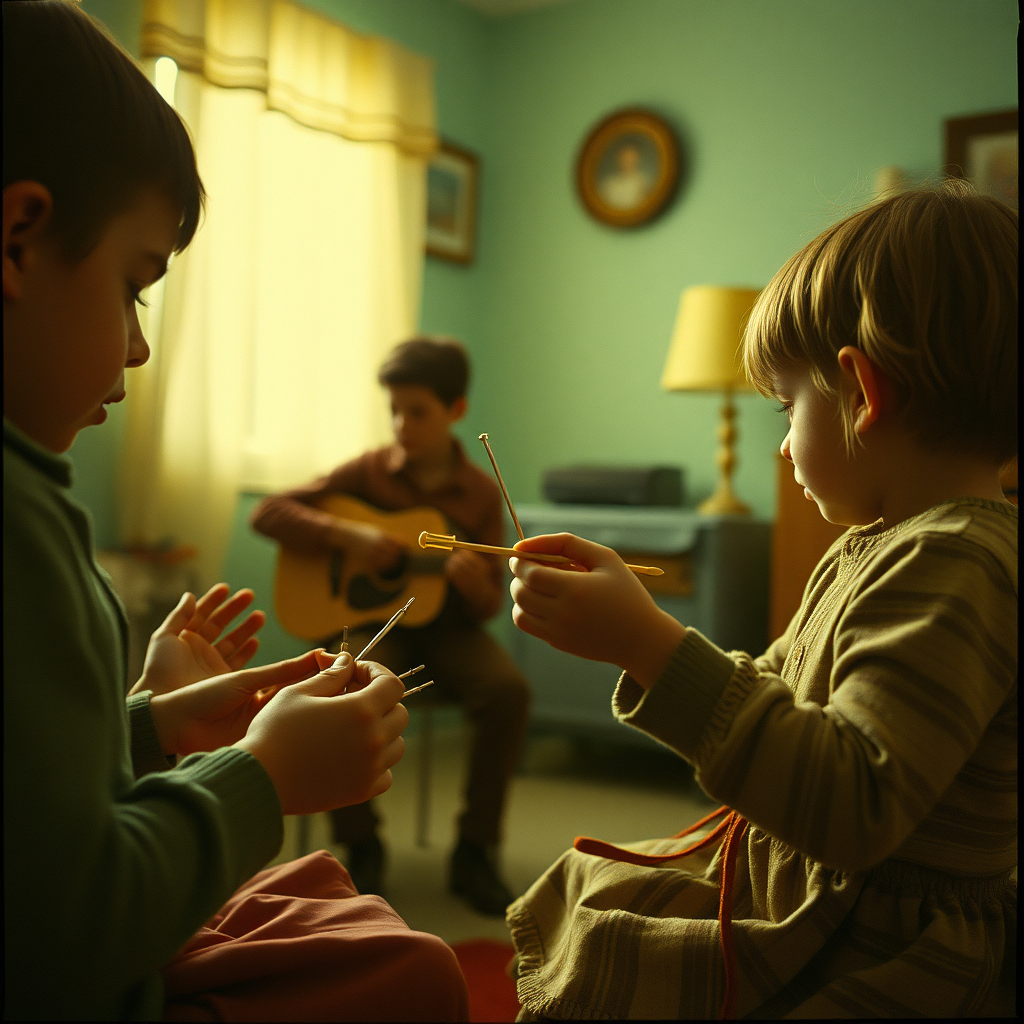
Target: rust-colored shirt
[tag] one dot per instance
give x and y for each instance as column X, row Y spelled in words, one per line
column 470, row 500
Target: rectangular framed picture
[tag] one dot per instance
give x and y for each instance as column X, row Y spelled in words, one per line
column 452, row 189
column 983, row 149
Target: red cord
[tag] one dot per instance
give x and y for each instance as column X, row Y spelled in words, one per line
column 732, row 844
column 733, row 827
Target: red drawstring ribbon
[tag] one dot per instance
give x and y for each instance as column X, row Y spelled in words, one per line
column 733, row 827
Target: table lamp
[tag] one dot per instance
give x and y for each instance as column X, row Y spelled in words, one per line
column 705, row 356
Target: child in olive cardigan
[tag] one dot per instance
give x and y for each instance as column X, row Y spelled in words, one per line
column 861, row 865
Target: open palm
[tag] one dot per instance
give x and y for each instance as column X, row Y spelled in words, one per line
column 186, row 649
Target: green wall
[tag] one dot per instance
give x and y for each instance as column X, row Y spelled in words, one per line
column 785, row 109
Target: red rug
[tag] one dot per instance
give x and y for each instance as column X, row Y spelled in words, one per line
column 492, row 993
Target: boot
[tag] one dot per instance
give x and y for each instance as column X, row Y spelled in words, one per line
column 474, row 877
column 365, row 863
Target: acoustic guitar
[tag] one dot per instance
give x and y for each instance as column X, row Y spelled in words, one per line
column 316, row 596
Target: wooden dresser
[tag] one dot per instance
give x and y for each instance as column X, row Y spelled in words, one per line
column 801, row 536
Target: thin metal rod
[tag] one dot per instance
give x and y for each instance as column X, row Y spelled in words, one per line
column 416, row 689
column 504, row 490
column 445, row 543
column 388, row 626
column 412, row 672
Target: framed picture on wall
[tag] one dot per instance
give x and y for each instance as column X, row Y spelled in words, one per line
column 983, row 149
column 628, row 168
column 452, row 188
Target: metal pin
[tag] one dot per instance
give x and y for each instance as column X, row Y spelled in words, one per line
column 416, row 689
column 412, row 672
column 388, row 626
column 501, row 484
column 442, row 542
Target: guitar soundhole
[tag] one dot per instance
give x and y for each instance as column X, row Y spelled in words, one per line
column 334, row 570
column 364, row 593
column 393, row 572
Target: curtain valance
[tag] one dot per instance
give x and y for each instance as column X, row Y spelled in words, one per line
column 317, row 71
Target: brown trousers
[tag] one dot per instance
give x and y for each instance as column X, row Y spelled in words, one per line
column 469, row 668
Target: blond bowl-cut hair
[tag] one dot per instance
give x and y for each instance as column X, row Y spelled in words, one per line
column 924, row 283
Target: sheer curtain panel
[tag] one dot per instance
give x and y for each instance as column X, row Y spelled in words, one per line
column 312, row 142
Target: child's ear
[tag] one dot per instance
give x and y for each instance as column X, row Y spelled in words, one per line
column 28, row 209
column 457, row 409
column 864, row 387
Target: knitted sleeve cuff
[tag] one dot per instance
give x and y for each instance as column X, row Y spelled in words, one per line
column 246, row 798
column 678, row 708
column 147, row 755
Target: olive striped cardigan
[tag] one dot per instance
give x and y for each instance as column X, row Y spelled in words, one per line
column 873, row 750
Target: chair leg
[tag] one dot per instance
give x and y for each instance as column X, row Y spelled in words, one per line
column 302, row 835
column 423, row 805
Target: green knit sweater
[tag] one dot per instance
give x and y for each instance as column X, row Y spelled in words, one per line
column 111, row 860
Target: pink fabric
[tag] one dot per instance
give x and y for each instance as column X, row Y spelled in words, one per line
column 297, row 942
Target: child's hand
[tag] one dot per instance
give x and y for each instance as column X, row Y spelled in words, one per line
column 469, row 573
column 604, row 614
column 369, row 544
column 185, row 648
column 217, row 712
column 324, row 748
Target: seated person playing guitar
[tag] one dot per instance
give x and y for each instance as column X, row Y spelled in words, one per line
column 426, row 467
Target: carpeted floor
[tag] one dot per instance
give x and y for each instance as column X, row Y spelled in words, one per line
column 564, row 788
column 492, row 993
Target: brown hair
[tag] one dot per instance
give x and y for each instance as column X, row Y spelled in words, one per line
column 437, row 363
column 82, row 119
column 924, row 283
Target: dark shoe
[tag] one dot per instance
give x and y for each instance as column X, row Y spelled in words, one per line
column 474, row 877
column 365, row 863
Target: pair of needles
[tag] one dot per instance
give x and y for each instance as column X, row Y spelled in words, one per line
column 443, row 542
column 388, row 626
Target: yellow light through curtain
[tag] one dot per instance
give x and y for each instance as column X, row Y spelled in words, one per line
column 312, row 142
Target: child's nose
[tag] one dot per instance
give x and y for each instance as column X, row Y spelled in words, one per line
column 138, row 349
column 784, row 448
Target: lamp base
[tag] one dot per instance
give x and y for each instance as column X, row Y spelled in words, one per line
column 723, row 503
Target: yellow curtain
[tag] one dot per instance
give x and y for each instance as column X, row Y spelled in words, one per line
column 312, row 142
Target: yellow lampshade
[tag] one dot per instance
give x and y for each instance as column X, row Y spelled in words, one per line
column 705, row 351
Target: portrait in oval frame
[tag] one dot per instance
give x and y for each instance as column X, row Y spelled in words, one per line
column 628, row 168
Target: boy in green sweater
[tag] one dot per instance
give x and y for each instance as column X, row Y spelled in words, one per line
column 115, row 863
column 867, row 761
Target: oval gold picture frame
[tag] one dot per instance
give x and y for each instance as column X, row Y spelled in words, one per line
column 631, row 155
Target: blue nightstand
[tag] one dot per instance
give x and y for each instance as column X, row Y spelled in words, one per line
column 716, row 579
